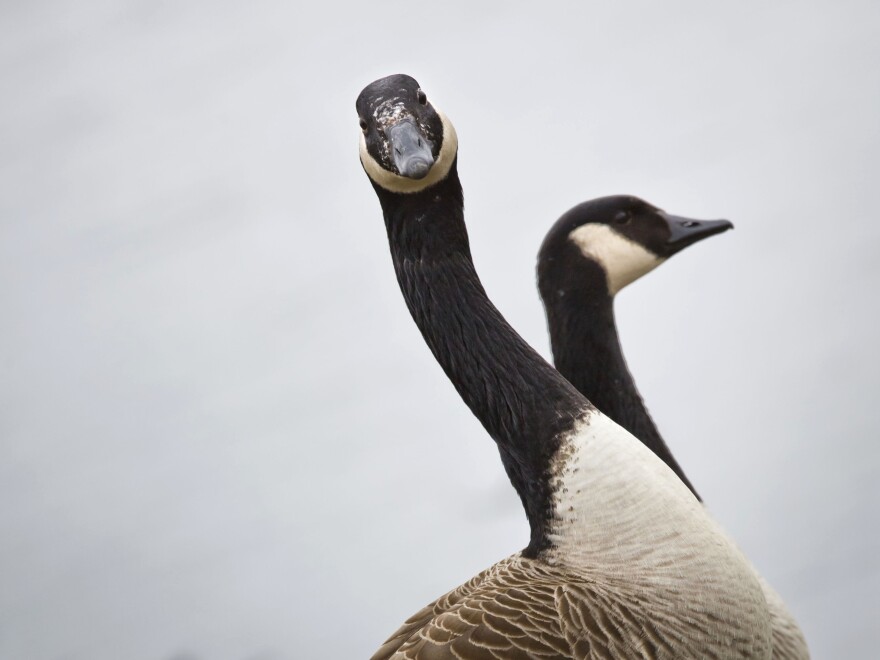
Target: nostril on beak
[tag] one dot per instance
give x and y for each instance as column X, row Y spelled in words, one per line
column 690, row 223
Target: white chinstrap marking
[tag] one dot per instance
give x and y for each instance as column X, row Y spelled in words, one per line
column 623, row 260
column 401, row 184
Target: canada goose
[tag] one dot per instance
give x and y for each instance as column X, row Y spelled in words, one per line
column 592, row 252
column 622, row 560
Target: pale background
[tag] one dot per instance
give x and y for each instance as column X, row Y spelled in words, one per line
column 221, row 435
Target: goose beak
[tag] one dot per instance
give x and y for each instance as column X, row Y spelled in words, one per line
column 410, row 150
column 686, row 231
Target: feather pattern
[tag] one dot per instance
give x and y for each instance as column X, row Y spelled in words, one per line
column 788, row 639
column 622, row 560
column 600, row 590
column 523, row 608
column 574, row 274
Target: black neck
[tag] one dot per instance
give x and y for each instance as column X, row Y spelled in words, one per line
column 520, row 399
column 586, row 350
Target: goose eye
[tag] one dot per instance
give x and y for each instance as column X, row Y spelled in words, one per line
column 622, row 218
column 363, row 123
column 422, row 98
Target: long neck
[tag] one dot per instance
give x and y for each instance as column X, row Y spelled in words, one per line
column 586, row 350
column 520, row 399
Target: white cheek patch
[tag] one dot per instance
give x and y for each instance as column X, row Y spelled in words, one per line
column 623, row 260
column 401, row 184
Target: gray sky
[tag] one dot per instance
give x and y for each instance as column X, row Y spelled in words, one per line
column 222, row 436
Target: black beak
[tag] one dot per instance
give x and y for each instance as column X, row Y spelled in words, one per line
column 685, row 231
column 410, row 150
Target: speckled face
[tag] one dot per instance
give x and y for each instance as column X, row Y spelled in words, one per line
column 406, row 144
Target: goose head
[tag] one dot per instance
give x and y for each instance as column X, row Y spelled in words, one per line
column 612, row 241
column 406, row 144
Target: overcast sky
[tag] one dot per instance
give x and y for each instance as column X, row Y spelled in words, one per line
column 222, row 436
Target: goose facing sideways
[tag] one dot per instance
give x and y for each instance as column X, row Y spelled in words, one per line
column 592, row 252
column 622, row 560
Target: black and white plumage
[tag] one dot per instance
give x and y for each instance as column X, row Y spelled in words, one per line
column 587, row 257
column 622, row 560
column 592, row 252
